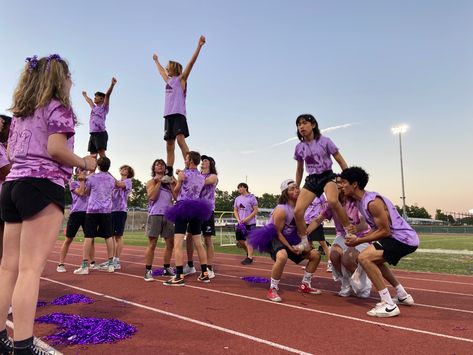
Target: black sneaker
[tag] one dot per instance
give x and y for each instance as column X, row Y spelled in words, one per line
column 247, row 261
column 204, row 277
column 6, row 346
column 174, row 281
column 168, row 272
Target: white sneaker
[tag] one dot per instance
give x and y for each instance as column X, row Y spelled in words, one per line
column 211, row 273
column 345, row 291
column 384, row 310
column 117, row 265
column 104, row 264
column 83, row 270
column 166, row 179
column 148, row 276
column 329, row 267
column 93, row 266
column 407, row 301
column 364, row 294
column 189, row 270
column 61, row 268
column 111, row 268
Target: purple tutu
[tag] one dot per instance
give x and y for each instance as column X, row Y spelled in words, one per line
column 260, row 238
column 187, row 209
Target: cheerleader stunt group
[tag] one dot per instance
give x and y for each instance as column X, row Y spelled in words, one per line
column 37, row 160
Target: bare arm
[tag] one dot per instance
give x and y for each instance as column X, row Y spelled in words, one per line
column 106, row 101
column 235, row 213
column 211, row 180
column 180, row 179
column 338, row 157
column 299, row 172
column 88, row 99
column 251, row 215
column 4, row 170
column 378, row 210
column 81, row 190
column 153, row 187
column 188, row 68
column 315, row 223
column 59, row 151
column 161, row 70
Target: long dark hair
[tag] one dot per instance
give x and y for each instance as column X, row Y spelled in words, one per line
column 308, row 118
column 153, row 173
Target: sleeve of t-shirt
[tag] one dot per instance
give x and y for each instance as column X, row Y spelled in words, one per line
column 74, row 185
column 60, row 119
column 331, row 147
column 298, row 153
column 3, row 157
column 235, row 203
column 254, row 201
column 128, row 185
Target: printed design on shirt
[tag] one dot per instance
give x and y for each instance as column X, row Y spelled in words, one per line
column 168, row 88
column 21, row 143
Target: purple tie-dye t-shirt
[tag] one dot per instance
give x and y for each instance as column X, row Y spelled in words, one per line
column 208, row 192
column 245, row 205
column 28, row 143
column 79, row 203
column 192, row 185
column 100, row 186
column 98, row 115
column 175, row 99
column 120, row 197
column 315, row 209
column 163, row 201
column 3, row 161
column 316, row 154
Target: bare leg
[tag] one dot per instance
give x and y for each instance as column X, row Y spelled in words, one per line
column 149, row 254
column 303, row 201
column 388, row 275
column 178, row 252
column 170, row 147
column 190, row 247
column 209, row 246
column 314, row 260
column 64, row 249
column 370, row 259
column 324, row 246
column 336, row 253
column 349, row 259
column 168, row 250
column 118, row 246
column 279, row 264
column 102, row 153
column 331, row 192
column 200, row 249
column 181, row 141
column 38, row 235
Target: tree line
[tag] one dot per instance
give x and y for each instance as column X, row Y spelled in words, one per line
column 224, row 202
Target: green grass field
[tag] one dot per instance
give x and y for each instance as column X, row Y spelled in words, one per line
column 419, row 261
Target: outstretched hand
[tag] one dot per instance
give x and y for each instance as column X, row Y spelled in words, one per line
column 84, row 93
column 155, row 57
column 114, row 81
column 201, row 41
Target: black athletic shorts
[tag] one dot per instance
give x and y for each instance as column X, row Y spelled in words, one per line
column 97, row 141
column 191, row 225
column 276, row 246
column 25, row 197
column 118, row 223
column 98, row 225
column 208, row 227
column 393, row 249
column 174, row 125
column 76, row 220
column 249, row 228
column 315, row 183
column 317, row 235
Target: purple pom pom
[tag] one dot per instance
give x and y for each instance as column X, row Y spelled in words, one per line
column 255, row 279
column 241, row 229
column 158, row 272
column 71, row 299
column 260, row 238
column 74, row 329
column 293, row 238
column 186, row 209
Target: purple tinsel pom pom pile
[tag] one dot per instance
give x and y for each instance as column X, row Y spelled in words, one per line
column 74, row 329
column 158, row 272
column 255, row 279
column 71, row 299
column 41, row 304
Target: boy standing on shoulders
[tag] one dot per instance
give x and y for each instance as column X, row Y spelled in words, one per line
column 98, row 133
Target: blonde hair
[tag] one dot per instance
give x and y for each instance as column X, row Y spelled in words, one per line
column 175, row 67
column 39, row 84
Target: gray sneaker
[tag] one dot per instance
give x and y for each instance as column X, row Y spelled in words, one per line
column 148, row 276
column 189, row 270
column 168, row 271
column 407, row 301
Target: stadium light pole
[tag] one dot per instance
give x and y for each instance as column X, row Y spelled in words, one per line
column 399, row 130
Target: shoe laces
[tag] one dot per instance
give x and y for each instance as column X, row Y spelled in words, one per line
column 39, row 351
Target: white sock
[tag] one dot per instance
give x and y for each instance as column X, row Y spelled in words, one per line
column 385, row 296
column 275, row 283
column 307, row 277
column 401, row 292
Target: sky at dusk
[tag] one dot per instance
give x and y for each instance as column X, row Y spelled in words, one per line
column 361, row 67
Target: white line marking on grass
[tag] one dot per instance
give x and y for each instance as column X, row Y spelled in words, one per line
column 187, row 319
column 45, row 346
column 265, row 301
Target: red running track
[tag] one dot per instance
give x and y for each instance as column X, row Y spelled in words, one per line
column 231, row 316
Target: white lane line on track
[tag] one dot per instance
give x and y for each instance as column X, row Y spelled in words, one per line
column 298, row 274
column 187, row 319
column 48, row 348
column 268, row 302
column 221, row 256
